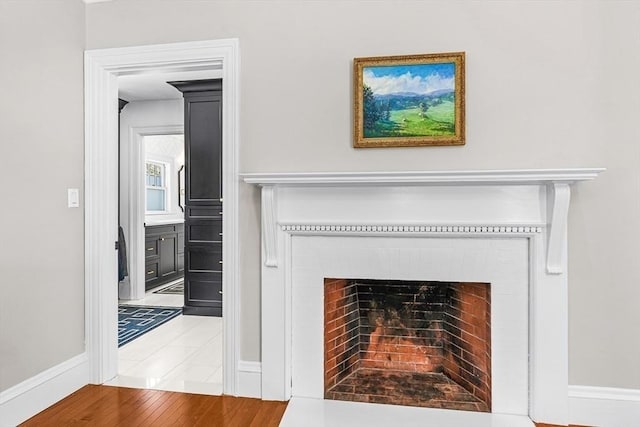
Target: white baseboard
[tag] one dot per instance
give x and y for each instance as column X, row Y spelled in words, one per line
column 604, row 406
column 24, row 400
column 593, row 406
column 249, row 379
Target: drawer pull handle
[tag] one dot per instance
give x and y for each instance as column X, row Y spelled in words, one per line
column 150, row 249
column 151, row 271
column 220, row 212
column 220, row 292
column 162, row 239
column 220, row 262
column 219, row 234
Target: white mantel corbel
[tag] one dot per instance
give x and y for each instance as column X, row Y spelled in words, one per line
column 557, row 181
column 559, row 195
column 269, row 225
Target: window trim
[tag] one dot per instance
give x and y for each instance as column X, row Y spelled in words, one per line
column 165, row 171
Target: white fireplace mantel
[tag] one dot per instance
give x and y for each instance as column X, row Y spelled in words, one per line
column 477, row 177
column 556, row 180
column 438, row 226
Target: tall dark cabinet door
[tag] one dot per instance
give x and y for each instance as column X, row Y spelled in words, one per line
column 203, row 198
column 168, row 264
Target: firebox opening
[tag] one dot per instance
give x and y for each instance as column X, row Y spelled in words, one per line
column 408, row 343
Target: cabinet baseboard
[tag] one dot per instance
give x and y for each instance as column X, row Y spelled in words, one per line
column 202, row 311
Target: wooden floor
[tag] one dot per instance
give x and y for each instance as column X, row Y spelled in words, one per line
column 129, row 407
column 117, row 406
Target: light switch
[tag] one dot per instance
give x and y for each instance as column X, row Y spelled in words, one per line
column 73, row 196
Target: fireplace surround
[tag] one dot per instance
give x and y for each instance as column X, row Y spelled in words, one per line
column 506, row 228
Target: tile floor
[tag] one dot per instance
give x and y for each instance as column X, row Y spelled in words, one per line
column 184, row 354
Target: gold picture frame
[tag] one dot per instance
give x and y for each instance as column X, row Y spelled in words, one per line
column 409, row 101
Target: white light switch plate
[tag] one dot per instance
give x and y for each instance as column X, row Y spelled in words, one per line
column 73, row 197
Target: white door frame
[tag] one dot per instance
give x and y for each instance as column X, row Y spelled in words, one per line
column 136, row 202
column 102, row 66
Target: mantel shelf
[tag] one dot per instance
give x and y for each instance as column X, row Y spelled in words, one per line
column 472, row 177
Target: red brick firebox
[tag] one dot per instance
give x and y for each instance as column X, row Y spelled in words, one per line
column 408, row 343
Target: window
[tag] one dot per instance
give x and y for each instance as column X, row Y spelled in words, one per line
column 156, row 181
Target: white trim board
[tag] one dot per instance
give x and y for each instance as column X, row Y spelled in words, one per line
column 596, row 406
column 137, row 201
column 24, row 400
column 249, row 379
column 471, row 177
column 604, row 406
column 102, row 67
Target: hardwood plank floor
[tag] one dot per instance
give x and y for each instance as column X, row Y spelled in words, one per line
column 129, row 407
column 553, row 425
column 119, row 406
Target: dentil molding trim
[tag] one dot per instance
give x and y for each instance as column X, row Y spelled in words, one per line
column 412, row 229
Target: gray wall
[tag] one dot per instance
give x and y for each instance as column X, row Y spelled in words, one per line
column 549, row 84
column 41, row 132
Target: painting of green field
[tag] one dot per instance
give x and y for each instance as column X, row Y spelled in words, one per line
column 436, row 121
column 409, row 100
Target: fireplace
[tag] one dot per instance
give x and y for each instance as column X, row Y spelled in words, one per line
column 408, row 343
column 502, row 231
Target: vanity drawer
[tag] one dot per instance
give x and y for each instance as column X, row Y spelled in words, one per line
column 151, row 247
column 151, row 275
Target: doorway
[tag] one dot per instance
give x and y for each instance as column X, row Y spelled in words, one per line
column 102, row 68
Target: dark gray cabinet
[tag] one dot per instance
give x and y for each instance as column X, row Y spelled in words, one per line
column 203, row 196
column 164, row 255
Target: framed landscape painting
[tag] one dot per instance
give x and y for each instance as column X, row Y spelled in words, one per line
column 405, row 101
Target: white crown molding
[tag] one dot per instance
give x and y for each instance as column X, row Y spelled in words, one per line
column 514, row 177
column 94, row 1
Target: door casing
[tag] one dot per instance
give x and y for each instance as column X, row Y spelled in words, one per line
column 102, row 67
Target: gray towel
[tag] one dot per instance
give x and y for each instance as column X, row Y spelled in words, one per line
column 122, row 256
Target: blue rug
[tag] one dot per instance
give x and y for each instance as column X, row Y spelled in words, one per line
column 135, row 320
column 177, row 289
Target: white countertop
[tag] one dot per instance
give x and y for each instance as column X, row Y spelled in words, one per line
column 148, row 222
